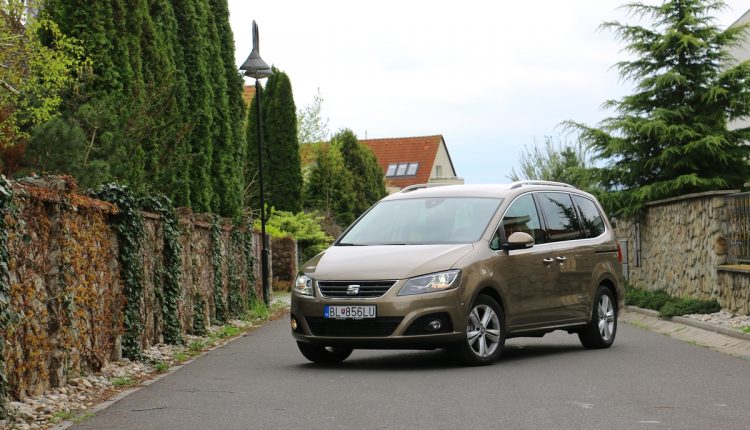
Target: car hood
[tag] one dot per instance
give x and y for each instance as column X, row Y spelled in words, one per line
column 353, row 263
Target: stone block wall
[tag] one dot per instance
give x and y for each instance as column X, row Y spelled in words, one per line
column 66, row 291
column 682, row 249
column 284, row 250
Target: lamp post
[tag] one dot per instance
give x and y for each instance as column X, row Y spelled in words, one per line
column 257, row 69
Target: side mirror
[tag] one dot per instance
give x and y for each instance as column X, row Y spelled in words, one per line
column 519, row 240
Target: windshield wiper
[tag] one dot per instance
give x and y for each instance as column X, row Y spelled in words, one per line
column 350, row 244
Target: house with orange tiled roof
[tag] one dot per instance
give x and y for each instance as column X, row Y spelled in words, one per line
column 414, row 160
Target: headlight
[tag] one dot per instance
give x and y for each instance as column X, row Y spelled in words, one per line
column 303, row 285
column 430, row 283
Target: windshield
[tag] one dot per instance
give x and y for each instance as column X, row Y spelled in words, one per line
column 423, row 221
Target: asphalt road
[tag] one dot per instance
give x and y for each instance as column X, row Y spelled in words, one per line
column 645, row 381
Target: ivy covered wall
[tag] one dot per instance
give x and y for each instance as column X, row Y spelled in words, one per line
column 68, row 258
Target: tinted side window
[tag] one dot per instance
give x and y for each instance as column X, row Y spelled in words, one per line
column 591, row 218
column 561, row 217
column 522, row 216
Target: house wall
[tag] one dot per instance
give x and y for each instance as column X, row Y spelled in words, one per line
column 442, row 159
column 741, row 53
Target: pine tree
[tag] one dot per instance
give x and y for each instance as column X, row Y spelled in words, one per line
column 284, row 174
column 671, row 136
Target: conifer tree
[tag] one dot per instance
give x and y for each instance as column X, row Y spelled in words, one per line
column 165, row 69
column 671, row 136
column 235, row 152
column 369, row 186
column 283, row 169
column 330, row 185
column 193, row 40
column 251, row 163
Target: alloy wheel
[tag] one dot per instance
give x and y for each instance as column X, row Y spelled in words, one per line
column 483, row 330
column 606, row 313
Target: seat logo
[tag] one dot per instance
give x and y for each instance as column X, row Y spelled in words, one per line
column 353, row 290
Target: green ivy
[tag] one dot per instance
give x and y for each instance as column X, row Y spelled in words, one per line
column 247, row 246
column 219, row 308
column 128, row 223
column 6, row 313
column 172, row 271
column 199, row 315
column 236, row 307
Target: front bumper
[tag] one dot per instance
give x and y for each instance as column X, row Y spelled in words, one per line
column 400, row 321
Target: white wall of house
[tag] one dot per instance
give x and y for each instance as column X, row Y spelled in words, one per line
column 442, row 169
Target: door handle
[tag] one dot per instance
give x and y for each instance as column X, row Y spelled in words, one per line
column 561, row 259
column 548, row 261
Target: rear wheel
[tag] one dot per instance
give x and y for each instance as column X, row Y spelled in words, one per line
column 323, row 354
column 485, row 333
column 601, row 331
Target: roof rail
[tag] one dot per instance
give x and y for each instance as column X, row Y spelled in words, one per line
column 549, row 183
column 419, row 186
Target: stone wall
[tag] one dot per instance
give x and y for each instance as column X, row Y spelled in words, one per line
column 284, row 250
column 682, row 249
column 66, row 291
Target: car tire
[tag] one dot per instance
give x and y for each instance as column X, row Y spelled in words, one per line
column 324, row 354
column 601, row 331
column 485, row 333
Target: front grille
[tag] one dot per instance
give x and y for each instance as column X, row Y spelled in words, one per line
column 378, row 327
column 358, row 290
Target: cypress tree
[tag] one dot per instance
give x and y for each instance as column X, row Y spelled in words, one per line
column 193, row 41
column 671, row 136
column 250, row 166
column 164, row 68
column 284, row 177
column 234, row 152
column 105, row 108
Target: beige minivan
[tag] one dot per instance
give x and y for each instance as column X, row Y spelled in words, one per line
column 462, row 267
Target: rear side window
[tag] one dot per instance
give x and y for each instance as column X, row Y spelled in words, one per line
column 522, row 216
column 591, row 218
column 560, row 215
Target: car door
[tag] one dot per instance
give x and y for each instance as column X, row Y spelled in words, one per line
column 528, row 276
column 569, row 301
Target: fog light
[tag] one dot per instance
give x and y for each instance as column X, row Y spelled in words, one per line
column 434, row 325
column 294, row 324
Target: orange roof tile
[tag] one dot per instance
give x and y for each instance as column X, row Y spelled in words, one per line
column 248, row 94
column 421, row 149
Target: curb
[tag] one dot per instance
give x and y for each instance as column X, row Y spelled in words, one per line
column 691, row 322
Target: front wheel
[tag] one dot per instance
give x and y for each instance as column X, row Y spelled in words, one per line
column 601, row 331
column 323, row 354
column 485, row 333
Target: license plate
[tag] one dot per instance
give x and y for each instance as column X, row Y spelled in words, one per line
column 354, row 312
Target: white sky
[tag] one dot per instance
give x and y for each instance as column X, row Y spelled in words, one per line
column 490, row 76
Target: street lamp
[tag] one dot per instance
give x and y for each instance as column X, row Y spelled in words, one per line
column 257, row 69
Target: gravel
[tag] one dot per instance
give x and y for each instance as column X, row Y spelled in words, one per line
column 724, row 319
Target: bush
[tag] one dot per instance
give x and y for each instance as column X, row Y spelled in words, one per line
column 646, row 299
column 305, row 227
column 667, row 305
column 677, row 307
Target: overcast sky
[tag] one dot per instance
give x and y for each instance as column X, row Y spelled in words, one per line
column 490, row 76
